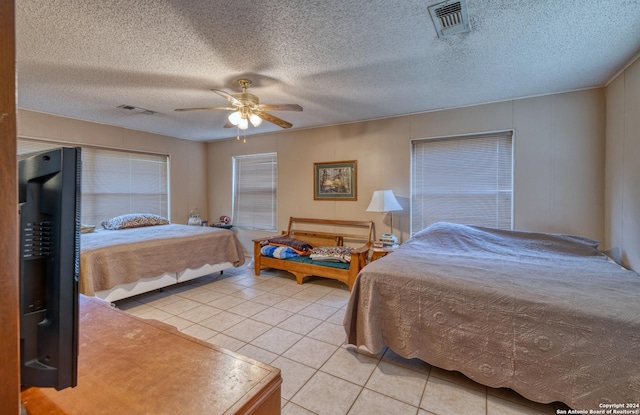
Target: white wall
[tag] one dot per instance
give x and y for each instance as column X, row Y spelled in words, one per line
column 558, row 169
column 188, row 180
column 622, row 183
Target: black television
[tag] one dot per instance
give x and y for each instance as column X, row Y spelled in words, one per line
column 49, row 207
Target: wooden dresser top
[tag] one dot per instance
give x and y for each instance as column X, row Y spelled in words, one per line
column 128, row 365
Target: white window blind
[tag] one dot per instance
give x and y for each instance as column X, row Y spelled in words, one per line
column 465, row 180
column 26, row 147
column 116, row 182
column 254, row 191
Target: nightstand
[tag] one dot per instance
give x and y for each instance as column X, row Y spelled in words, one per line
column 380, row 252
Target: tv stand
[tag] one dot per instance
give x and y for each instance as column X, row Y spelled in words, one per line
column 130, row 365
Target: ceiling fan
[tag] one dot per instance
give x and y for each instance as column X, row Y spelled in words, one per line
column 246, row 108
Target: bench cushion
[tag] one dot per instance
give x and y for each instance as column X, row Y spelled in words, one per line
column 307, row 260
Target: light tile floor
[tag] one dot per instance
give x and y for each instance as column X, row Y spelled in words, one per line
column 298, row 329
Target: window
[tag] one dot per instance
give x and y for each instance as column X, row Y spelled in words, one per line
column 254, row 191
column 116, row 182
column 466, row 179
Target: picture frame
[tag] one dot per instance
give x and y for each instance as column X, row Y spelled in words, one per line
column 335, row 180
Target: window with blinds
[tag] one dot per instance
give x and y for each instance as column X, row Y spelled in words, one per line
column 116, row 182
column 466, row 179
column 255, row 191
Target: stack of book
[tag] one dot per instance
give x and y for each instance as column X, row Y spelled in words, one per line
column 386, row 240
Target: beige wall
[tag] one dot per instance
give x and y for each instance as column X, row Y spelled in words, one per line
column 188, row 158
column 559, row 161
column 558, row 169
column 622, row 183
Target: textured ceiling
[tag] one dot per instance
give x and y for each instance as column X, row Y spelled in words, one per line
column 341, row 60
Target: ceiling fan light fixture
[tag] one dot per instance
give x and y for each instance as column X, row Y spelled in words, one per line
column 255, row 120
column 235, row 117
column 246, row 108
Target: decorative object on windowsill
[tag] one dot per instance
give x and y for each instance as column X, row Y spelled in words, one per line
column 194, row 218
column 247, row 109
column 336, row 180
column 384, row 201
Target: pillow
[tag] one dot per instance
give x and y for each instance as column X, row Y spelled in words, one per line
column 134, row 220
column 582, row 240
column 299, row 246
column 332, row 253
column 280, row 252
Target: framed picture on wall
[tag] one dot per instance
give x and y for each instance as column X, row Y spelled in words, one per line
column 336, row 180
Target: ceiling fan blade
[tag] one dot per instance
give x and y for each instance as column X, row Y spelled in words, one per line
column 280, row 107
column 228, row 125
column 232, row 100
column 273, row 119
column 205, row 108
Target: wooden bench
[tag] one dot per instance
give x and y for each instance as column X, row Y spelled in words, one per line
column 321, row 233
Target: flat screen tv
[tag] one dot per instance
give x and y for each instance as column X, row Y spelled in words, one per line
column 49, row 206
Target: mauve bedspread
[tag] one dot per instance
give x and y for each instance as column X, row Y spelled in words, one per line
column 112, row 257
column 546, row 315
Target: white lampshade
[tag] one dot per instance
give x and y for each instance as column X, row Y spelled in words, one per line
column 383, row 201
column 234, row 117
column 243, row 124
column 255, row 120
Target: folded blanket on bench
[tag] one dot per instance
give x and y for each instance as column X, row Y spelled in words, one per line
column 281, row 252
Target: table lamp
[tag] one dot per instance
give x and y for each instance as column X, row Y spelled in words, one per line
column 384, row 201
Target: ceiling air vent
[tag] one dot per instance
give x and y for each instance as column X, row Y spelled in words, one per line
column 136, row 110
column 450, row 17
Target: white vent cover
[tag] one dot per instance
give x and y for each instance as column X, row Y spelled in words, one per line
column 450, row 17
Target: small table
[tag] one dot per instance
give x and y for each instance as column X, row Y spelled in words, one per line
column 380, row 252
